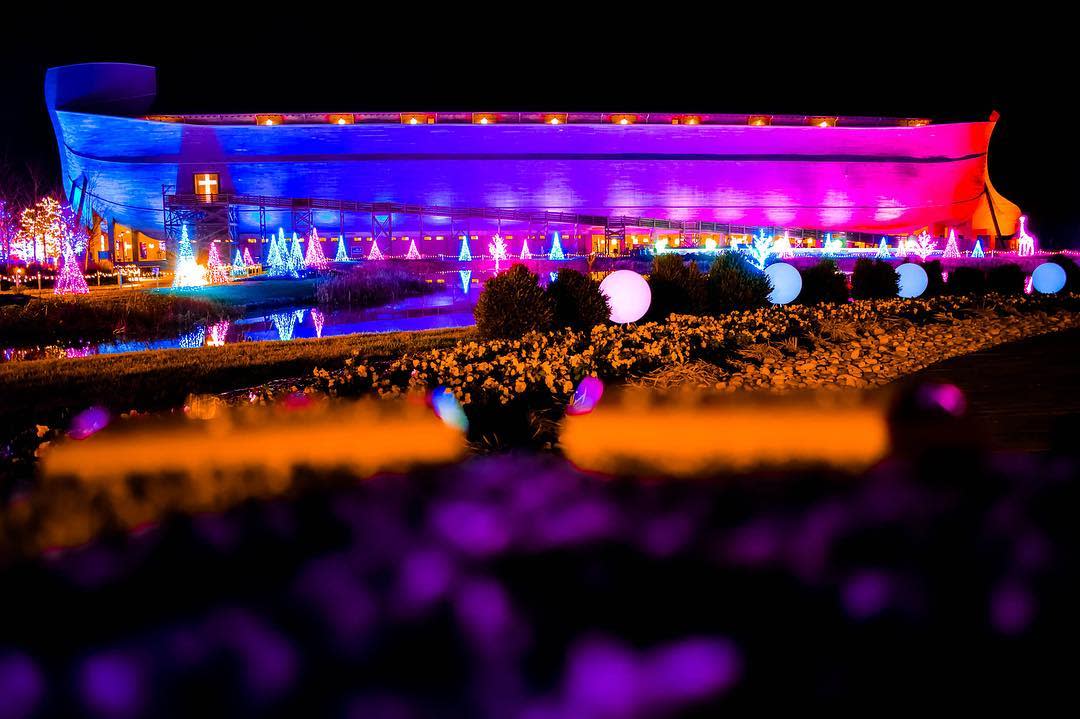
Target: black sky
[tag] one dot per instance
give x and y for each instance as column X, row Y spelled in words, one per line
column 508, row 59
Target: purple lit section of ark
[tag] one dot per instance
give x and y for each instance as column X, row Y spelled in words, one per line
column 881, row 179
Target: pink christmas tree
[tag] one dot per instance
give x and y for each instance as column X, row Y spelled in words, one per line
column 70, row 280
column 315, row 258
column 376, row 253
column 217, row 270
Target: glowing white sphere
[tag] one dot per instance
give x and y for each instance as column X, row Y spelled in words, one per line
column 1048, row 278
column 628, row 295
column 913, row 279
column 786, row 282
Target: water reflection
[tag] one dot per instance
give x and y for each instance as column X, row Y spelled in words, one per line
column 451, row 305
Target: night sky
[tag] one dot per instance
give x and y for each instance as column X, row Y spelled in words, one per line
column 386, row 63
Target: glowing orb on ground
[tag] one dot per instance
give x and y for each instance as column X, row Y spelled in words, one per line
column 913, row 279
column 786, row 282
column 1048, row 278
column 588, row 393
column 448, row 409
column 628, row 295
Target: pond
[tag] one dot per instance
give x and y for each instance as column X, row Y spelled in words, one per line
column 451, row 305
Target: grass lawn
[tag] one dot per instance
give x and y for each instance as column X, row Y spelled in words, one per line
column 46, row 391
column 254, row 293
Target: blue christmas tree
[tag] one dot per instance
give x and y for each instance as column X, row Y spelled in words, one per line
column 556, row 252
column 239, row 267
column 464, row 255
column 342, row 254
column 883, row 250
column 977, row 251
column 295, row 262
column 275, row 259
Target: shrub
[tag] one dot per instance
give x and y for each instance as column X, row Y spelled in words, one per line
column 967, row 281
column 734, row 285
column 1007, row 279
column 676, row 287
column 823, row 283
column 1072, row 272
column 512, row 304
column 364, row 287
column 874, row 279
column 576, row 301
column 935, row 283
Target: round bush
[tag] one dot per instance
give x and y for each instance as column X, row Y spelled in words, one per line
column 966, row 281
column 935, row 283
column 1006, row 279
column 734, row 285
column 512, row 304
column 823, row 283
column 676, row 286
column 576, row 301
column 874, row 279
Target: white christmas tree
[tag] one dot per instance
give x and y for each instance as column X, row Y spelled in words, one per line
column 188, row 272
column 525, row 254
column 413, row 253
column 832, row 246
column 924, row 245
column 761, row 249
column 463, row 254
column 315, row 257
column 556, row 252
column 342, row 254
column 977, row 251
column 951, row 250
column 782, row 247
column 882, row 250
column 318, row 319
column 375, row 253
column 497, row 248
column 295, row 261
column 239, row 268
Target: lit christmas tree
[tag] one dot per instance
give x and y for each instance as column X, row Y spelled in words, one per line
column 375, row 253
column 951, row 250
column 977, row 251
column 525, row 254
column 1025, row 243
column 556, row 252
column 342, row 254
column 882, row 250
column 924, row 245
column 413, row 254
column 284, row 323
column 466, row 276
column 239, row 268
column 217, row 271
column 902, row 247
column 188, row 272
column 761, row 249
column 276, row 266
column 463, row 254
column 315, row 257
column 248, row 262
column 70, row 280
column 782, row 247
column 832, row 246
column 497, row 248
column 295, row 261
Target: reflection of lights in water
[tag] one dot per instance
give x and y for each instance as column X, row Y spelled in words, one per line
column 300, row 313
column 218, row 331
column 553, row 276
column 319, row 319
column 945, row 397
column 448, row 409
column 466, row 276
column 193, row 339
column 73, row 352
column 586, row 396
column 285, row 323
column 1028, row 287
column 87, row 422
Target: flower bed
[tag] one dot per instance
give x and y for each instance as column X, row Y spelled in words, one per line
column 856, row 344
